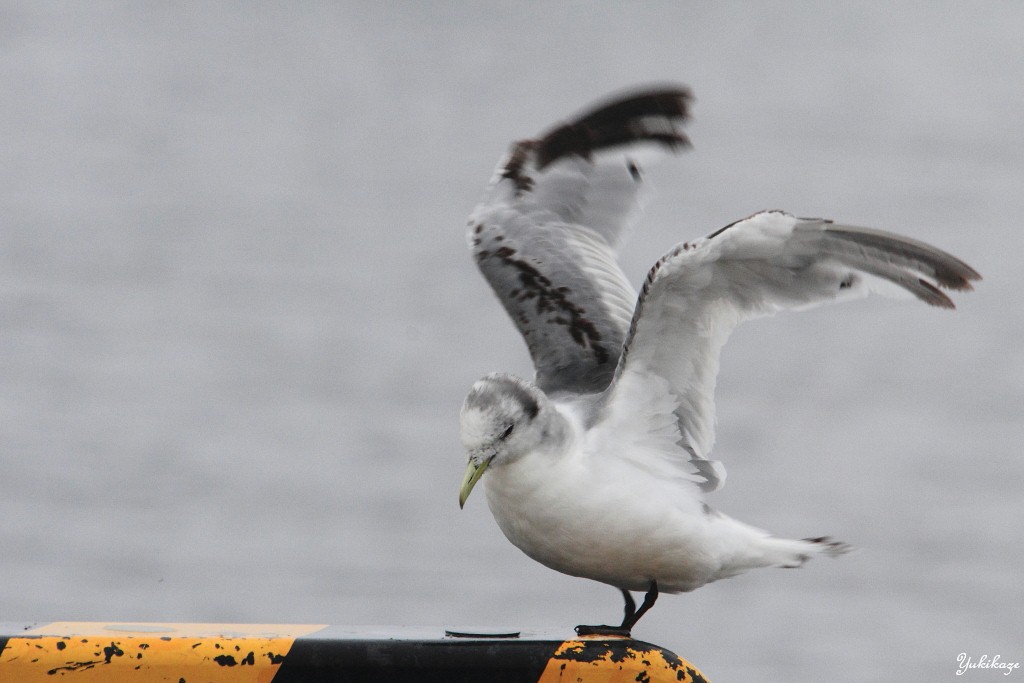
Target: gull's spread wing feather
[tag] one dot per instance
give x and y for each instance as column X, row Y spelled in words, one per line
column 697, row 293
column 546, row 232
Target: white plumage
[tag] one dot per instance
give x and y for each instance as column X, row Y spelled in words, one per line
column 598, row 467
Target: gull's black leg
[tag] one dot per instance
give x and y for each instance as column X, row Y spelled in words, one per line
column 629, row 609
column 630, row 616
column 648, row 603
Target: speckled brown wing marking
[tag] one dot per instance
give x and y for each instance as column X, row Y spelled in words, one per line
column 544, row 237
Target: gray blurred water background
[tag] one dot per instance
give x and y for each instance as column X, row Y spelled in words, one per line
column 237, row 316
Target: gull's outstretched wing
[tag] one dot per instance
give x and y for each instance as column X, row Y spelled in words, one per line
column 545, row 234
column 697, row 293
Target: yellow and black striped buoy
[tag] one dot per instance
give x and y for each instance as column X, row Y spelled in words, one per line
column 194, row 653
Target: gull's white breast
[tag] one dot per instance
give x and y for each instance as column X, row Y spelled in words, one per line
column 605, row 519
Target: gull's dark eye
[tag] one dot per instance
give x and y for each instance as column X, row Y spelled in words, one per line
column 508, row 430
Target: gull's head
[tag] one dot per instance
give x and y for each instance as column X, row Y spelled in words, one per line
column 498, row 423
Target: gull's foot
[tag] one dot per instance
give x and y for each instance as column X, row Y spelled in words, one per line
column 583, row 630
column 630, row 615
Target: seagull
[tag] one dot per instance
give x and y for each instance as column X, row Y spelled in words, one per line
column 598, row 467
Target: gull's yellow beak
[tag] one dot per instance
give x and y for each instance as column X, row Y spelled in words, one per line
column 473, row 474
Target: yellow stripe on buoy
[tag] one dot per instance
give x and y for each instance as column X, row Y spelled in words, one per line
column 91, row 651
column 603, row 660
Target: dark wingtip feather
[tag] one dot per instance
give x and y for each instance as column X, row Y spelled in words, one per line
column 956, row 275
column 938, row 297
column 947, row 270
column 652, row 114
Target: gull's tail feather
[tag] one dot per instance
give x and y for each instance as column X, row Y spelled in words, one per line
column 824, row 545
column 790, row 553
column 747, row 547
